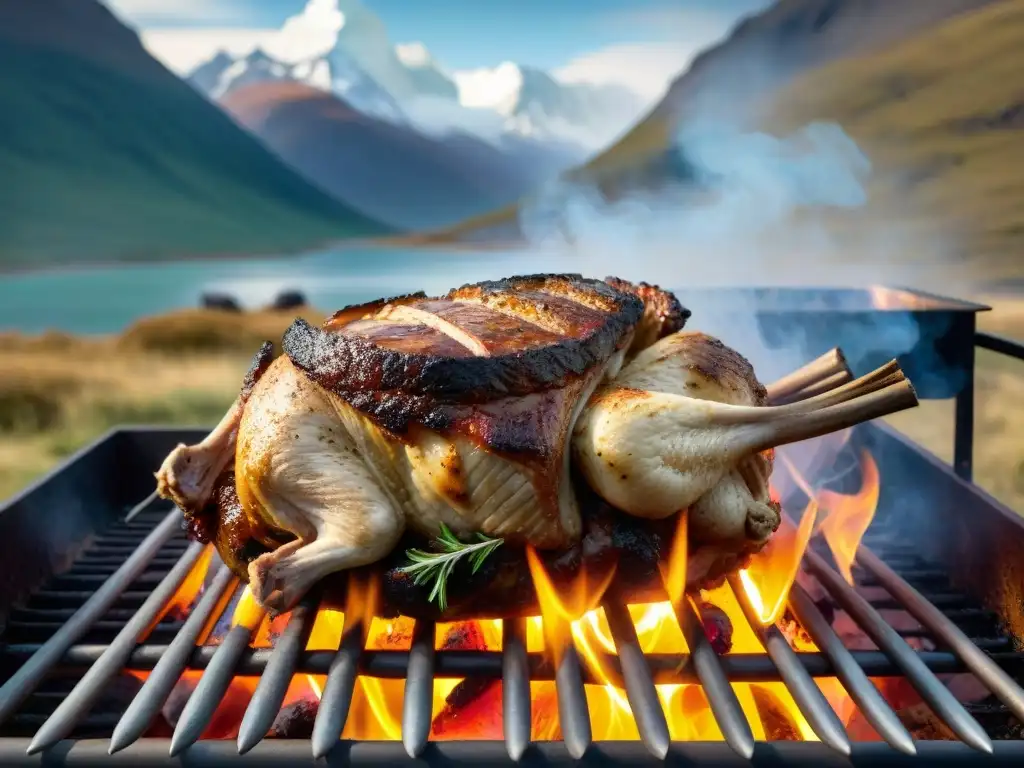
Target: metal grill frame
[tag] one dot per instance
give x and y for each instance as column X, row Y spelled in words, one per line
column 418, row 666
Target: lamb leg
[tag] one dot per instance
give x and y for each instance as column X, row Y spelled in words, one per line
column 189, row 472
column 651, row 454
column 296, row 469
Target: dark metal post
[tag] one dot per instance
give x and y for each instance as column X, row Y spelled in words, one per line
column 963, row 431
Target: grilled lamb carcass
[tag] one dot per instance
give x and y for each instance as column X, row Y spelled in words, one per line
column 400, row 416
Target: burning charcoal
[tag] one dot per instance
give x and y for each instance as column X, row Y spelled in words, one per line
column 471, row 711
column 228, row 716
column 777, row 725
column 924, row 725
column 465, row 636
column 717, row 627
column 295, row 720
column 794, row 632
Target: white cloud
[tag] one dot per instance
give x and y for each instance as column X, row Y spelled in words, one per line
column 182, row 50
column 311, row 32
column 413, row 54
column 307, row 34
column 646, row 68
column 141, row 13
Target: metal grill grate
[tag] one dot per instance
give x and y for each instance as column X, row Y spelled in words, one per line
column 92, row 617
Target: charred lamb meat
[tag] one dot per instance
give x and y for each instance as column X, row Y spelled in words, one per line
column 488, row 415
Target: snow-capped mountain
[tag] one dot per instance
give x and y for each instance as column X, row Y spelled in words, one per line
column 334, row 71
column 343, row 47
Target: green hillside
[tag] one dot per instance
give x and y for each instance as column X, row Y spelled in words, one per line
column 942, row 118
column 113, row 158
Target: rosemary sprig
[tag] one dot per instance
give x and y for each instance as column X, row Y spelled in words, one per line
column 438, row 566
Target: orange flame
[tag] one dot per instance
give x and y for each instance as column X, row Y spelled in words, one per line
column 848, row 517
column 768, row 578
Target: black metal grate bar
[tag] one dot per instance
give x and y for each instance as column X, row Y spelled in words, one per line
column 515, row 688
column 336, row 698
column 861, row 690
column 110, row 664
column 417, row 706
column 636, row 676
column 665, row 667
column 995, row 679
column 211, row 688
column 710, row 671
column 934, row 693
column 573, row 710
column 808, row 697
column 170, row 665
column 23, row 682
column 270, row 691
column 294, row 753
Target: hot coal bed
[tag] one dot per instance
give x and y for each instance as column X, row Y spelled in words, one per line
column 120, row 635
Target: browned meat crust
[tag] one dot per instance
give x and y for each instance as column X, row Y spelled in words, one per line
column 260, row 361
column 663, row 314
column 594, row 320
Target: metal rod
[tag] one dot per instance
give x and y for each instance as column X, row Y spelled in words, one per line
column 294, row 753
column 808, row 697
column 137, row 509
column 91, row 686
column 710, row 671
column 418, row 703
column 934, row 693
column 211, row 688
column 995, row 679
column 861, row 690
column 336, row 699
column 573, row 710
column 665, row 667
column 171, row 663
column 640, row 691
column 517, row 714
column 27, row 678
column 273, row 685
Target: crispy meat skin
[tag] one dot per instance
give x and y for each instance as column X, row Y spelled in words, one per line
column 371, row 375
column 260, row 362
column 663, row 314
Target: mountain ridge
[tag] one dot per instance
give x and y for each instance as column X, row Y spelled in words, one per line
column 112, row 157
column 747, row 67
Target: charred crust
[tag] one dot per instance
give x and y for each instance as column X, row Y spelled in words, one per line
column 260, row 362
column 661, row 306
column 349, row 366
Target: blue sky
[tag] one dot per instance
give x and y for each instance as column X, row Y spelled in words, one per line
column 470, row 33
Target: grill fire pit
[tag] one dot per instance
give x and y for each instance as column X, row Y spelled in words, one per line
column 119, row 635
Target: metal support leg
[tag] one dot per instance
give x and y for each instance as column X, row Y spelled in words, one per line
column 963, row 435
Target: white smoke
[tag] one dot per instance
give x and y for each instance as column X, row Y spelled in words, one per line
column 742, row 209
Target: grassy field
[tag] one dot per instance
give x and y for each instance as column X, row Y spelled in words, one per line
column 59, row 392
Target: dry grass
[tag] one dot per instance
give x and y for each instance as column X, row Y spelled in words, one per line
column 58, row 392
